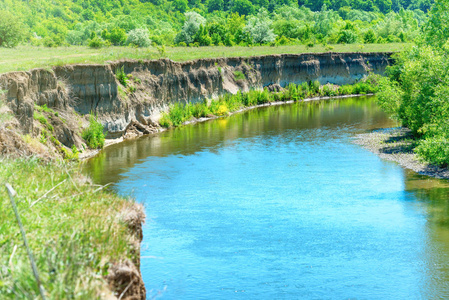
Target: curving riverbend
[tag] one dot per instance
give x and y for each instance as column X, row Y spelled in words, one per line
column 278, row 203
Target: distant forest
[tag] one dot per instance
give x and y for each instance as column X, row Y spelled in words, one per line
column 140, row 23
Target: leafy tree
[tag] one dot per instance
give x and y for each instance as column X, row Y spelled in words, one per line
column 437, row 28
column 190, row 28
column 215, row 5
column 348, row 34
column 369, row 37
column 243, row 7
column 180, row 5
column 10, row 30
column 116, row 37
column 202, row 37
column 139, row 37
column 259, row 29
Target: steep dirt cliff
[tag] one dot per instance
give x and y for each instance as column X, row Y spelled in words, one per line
column 153, row 85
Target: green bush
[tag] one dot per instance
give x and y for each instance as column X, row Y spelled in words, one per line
column 10, row 29
column 96, row 42
column 94, row 135
column 238, row 75
column 434, row 150
column 200, row 110
column 139, row 37
column 165, row 121
column 121, row 76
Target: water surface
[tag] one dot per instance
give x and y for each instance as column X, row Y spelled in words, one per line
column 277, row 203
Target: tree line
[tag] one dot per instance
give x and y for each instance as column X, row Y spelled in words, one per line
column 209, row 22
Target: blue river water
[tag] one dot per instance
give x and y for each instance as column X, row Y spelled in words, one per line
column 279, row 203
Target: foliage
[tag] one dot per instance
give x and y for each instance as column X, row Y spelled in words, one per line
column 417, row 90
column 10, row 29
column 95, row 42
column 259, row 29
column 437, row 28
column 238, row 75
column 117, row 36
column 190, row 28
column 94, row 135
column 238, row 22
column 139, row 37
column 121, row 76
column 178, row 113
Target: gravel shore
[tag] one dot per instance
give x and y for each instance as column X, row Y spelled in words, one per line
column 396, row 144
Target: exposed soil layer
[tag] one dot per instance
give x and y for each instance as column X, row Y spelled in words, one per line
column 396, row 144
column 150, row 87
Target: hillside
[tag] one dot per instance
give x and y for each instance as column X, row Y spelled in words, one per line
column 213, row 22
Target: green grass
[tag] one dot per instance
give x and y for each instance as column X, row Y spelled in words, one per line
column 74, row 232
column 180, row 113
column 94, row 135
column 24, row 58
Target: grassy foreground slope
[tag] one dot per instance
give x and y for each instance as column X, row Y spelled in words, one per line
column 75, row 229
column 24, row 58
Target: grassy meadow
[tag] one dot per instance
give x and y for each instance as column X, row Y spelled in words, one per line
column 24, row 58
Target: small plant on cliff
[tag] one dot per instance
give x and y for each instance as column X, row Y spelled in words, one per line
column 94, row 135
column 121, row 76
column 238, row 75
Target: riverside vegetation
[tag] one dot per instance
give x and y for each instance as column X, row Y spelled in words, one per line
column 180, row 113
column 416, row 92
column 76, row 231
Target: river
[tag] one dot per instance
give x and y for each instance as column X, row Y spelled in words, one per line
column 278, row 203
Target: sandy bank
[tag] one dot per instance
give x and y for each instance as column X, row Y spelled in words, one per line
column 396, row 144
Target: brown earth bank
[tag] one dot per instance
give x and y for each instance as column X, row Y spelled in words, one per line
column 75, row 91
column 44, row 111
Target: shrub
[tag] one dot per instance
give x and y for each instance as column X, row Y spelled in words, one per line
column 94, row 135
column 200, row 110
column 121, row 76
column 96, row 42
column 165, row 121
column 258, row 28
column 347, row 37
column 10, row 30
column 238, row 75
column 117, row 36
column 190, row 28
column 139, row 37
column 222, row 110
column 369, row 37
column 434, row 150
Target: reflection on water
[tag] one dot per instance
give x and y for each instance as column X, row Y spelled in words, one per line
column 278, row 203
